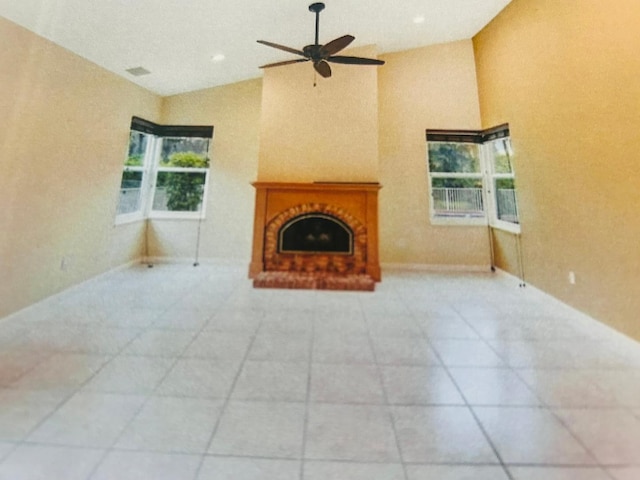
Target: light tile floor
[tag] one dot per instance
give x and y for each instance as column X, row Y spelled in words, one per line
column 183, row 373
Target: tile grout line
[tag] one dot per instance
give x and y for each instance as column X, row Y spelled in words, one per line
column 468, row 406
column 227, row 399
column 543, row 404
column 150, row 395
column 305, row 425
column 388, row 407
column 362, row 310
column 76, row 389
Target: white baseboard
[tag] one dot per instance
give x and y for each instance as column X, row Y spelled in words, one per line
column 592, row 325
column 228, row 262
column 425, row 267
column 53, row 296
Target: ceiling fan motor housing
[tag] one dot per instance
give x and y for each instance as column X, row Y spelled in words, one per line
column 314, row 52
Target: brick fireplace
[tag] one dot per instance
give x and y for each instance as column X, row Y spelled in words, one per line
column 316, row 235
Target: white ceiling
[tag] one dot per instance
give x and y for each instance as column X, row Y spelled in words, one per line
column 176, row 39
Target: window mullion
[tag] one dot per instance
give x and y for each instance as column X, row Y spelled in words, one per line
column 493, row 179
column 152, row 169
column 182, row 169
column 456, row 175
column 487, row 181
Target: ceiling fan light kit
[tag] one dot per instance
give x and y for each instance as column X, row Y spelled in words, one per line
column 321, row 55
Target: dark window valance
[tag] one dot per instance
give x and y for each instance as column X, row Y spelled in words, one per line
column 468, row 136
column 458, row 136
column 145, row 126
column 500, row 131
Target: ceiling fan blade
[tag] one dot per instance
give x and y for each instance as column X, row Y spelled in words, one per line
column 286, row 62
column 322, row 68
column 282, row 47
column 334, row 46
column 355, row 60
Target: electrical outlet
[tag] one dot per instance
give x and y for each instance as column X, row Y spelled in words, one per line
column 572, row 278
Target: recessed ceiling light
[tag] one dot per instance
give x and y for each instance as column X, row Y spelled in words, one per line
column 418, row 19
column 217, row 58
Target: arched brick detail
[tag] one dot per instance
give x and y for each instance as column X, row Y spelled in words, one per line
column 315, row 262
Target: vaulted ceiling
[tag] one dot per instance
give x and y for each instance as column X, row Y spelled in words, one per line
column 192, row 44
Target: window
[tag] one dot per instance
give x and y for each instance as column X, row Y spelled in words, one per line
column 133, row 176
column 471, row 177
column 501, row 183
column 165, row 173
column 456, row 180
column 181, row 175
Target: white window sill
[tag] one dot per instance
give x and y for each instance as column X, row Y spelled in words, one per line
column 177, row 216
column 128, row 218
column 459, row 221
column 506, row 226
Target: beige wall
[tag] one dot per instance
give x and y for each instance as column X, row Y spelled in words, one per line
column 234, row 111
column 324, row 133
column 565, row 77
column 64, row 132
column 71, row 120
column 285, row 129
column 431, row 87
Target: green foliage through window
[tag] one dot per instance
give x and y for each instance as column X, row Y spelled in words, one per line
column 184, row 190
column 454, row 158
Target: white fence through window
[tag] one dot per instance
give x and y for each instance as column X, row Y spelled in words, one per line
column 507, row 206
column 457, row 200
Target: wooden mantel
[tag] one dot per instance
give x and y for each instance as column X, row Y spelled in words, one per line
column 358, row 201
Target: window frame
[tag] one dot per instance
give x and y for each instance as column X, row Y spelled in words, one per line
column 471, row 218
column 492, row 190
column 145, row 183
column 487, row 175
column 158, row 168
column 151, row 168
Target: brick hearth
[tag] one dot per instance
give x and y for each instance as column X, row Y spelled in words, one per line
column 318, row 280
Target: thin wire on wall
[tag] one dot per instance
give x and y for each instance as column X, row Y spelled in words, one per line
column 197, row 253
column 146, row 244
column 520, row 260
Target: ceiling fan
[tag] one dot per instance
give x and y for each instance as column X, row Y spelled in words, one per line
column 320, row 55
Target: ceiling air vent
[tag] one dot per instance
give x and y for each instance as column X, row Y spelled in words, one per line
column 138, row 71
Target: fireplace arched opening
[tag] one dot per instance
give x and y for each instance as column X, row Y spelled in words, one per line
column 315, row 233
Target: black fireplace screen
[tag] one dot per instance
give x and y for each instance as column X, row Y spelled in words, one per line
column 315, row 233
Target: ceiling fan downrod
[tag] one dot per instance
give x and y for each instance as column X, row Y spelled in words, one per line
column 317, row 8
